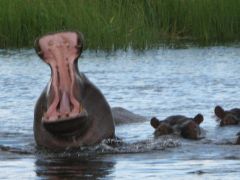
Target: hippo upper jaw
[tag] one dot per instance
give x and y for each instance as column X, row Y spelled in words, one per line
column 65, row 113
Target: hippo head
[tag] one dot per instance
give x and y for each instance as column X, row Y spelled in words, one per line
column 191, row 129
column 64, row 113
column 161, row 128
column 186, row 127
column 227, row 117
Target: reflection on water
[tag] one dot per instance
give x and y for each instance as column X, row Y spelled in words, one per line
column 59, row 168
column 153, row 83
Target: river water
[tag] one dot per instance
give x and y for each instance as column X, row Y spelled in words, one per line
column 160, row 82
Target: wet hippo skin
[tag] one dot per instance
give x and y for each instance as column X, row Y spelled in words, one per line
column 71, row 111
column 229, row 117
column 186, row 127
column 123, row 116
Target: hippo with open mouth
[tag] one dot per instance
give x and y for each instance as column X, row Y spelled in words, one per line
column 188, row 128
column 71, row 111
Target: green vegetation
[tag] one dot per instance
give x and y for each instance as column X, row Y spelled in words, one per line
column 113, row 24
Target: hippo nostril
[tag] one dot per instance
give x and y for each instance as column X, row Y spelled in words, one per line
column 50, row 43
column 68, row 45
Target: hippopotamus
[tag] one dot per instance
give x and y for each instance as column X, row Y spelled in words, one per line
column 229, row 117
column 71, row 111
column 188, row 128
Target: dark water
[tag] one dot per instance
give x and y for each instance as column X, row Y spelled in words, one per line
column 154, row 83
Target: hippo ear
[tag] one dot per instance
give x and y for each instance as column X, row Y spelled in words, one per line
column 154, row 122
column 198, row 118
column 37, row 48
column 219, row 112
column 80, row 42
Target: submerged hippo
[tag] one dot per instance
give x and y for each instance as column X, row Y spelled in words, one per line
column 71, row 111
column 187, row 127
column 230, row 117
column 123, row 116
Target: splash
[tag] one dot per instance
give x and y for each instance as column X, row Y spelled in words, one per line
column 147, row 145
column 117, row 146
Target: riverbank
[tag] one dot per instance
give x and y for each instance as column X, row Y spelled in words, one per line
column 108, row 25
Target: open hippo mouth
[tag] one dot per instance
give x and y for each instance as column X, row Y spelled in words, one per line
column 65, row 114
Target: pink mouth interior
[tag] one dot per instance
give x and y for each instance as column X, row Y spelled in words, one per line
column 60, row 51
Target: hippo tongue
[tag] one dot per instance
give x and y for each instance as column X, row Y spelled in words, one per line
column 65, row 104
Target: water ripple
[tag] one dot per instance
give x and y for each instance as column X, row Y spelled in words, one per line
column 160, row 82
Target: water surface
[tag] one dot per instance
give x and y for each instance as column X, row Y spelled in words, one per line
column 158, row 83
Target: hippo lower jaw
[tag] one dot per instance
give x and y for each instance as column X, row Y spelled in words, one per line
column 71, row 126
column 65, row 113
